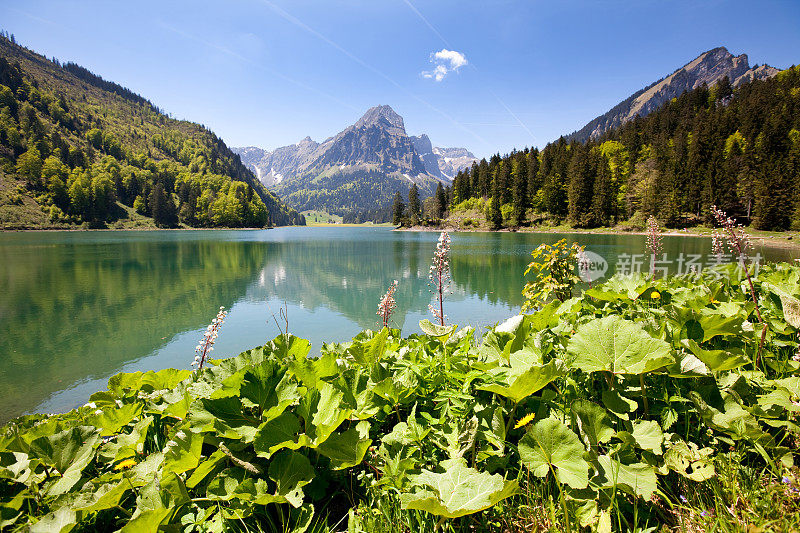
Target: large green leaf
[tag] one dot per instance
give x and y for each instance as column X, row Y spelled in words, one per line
column 517, row 383
column 182, row 453
column 323, row 412
column 436, row 330
column 791, row 309
column 146, row 470
column 715, row 323
column 618, row 404
column 126, row 445
column 290, row 471
column 716, row 360
column 280, row 432
column 689, row 460
column 594, row 422
column 205, row 468
column 148, row 521
column 616, row 345
column 311, row 371
column 66, row 448
column 59, row 521
column 147, row 381
column 111, row 420
column 648, row 435
column 687, row 366
column 106, row 496
column 269, row 389
column 289, row 346
column 738, row 422
column 457, row 491
column 225, row 416
column 347, row 449
column 368, row 351
column 638, row 479
column 549, row 444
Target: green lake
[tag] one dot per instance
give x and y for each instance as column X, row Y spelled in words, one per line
column 78, row 307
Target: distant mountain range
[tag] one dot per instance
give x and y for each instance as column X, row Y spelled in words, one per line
column 358, row 168
column 708, row 68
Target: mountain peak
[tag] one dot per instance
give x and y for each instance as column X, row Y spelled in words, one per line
column 708, row 68
column 382, row 116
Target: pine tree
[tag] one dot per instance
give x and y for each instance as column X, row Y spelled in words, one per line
column 397, row 208
column 601, row 194
column 413, row 204
column 532, row 177
column 162, row 207
column 495, row 213
column 484, row 186
column 440, row 202
column 579, row 189
column 519, row 199
column 502, row 180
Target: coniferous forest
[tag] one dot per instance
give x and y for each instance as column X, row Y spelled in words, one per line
column 737, row 149
column 88, row 151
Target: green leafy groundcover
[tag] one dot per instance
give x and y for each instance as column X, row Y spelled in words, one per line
column 627, row 392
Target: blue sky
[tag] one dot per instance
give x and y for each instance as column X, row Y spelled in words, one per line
column 513, row 74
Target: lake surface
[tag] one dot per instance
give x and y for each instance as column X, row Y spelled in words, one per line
column 78, row 307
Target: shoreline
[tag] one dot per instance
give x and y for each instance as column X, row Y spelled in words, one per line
column 789, row 239
column 153, row 228
column 37, row 230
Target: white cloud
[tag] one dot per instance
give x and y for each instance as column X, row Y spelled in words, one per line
column 445, row 61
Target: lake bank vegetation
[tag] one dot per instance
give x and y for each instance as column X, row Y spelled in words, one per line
column 76, row 150
column 638, row 404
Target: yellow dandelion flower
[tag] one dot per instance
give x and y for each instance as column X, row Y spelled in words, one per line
column 525, row 420
column 655, row 295
column 127, row 463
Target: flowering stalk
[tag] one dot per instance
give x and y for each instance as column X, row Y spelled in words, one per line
column 584, row 266
column 387, row 304
column 440, row 275
column 739, row 243
column 654, row 243
column 209, row 338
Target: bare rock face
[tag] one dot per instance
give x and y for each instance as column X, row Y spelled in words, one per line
column 423, row 146
column 376, row 145
column 383, row 117
column 454, row 160
column 708, row 68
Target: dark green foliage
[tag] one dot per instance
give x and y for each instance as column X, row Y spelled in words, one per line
column 519, row 182
column 737, row 149
column 162, row 208
column 84, row 145
column 440, row 202
column 495, row 213
column 398, row 207
column 580, row 183
column 413, row 202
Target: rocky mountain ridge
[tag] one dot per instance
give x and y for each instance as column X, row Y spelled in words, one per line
column 378, row 139
column 708, row 68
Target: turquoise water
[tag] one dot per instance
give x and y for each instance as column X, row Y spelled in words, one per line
column 78, row 307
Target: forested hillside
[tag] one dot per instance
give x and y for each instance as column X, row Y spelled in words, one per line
column 737, row 149
column 77, row 149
